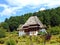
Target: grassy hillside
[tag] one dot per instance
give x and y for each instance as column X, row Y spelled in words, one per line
column 36, row 40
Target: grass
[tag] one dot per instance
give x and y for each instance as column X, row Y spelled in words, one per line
column 36, row 40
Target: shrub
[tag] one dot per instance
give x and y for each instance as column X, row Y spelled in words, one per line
column 53, row 41
column 41, row 33
column 58, row 40
column 10, row 42
column 16, row 41
column 23, row 36
column 59, row 36
column 54, row 30
column 2, row 33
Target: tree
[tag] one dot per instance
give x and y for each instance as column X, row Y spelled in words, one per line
column 6, row 20
column 2, row 33
column 55, row 20
column 5, row 25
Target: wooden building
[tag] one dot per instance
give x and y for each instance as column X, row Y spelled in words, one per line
column 32, row 26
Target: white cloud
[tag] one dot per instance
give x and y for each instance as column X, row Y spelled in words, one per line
column 3, row 5
column 19, row 4
column 33, row 3
column 8, row 11
column 23, row 2
column 53, row 3
column 42, row 9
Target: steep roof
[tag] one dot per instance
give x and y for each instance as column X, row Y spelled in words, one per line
column 33, row 20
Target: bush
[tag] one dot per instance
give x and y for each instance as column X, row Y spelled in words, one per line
column 51, row 42
column 10, row 42
column 54, row 30
column 2, row 33
column 59, row 36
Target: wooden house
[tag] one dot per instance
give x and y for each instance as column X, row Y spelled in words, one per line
column 32, row 26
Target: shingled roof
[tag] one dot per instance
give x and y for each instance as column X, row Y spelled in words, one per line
column 33, row 20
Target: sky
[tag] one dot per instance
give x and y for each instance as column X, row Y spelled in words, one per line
column 19, row 7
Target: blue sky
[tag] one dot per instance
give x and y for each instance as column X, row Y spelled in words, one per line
column 19, row 7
